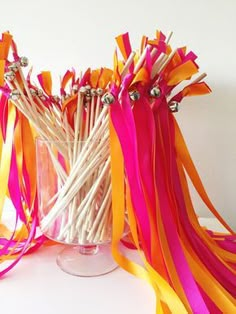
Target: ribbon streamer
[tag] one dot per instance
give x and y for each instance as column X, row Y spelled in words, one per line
column 150, row 163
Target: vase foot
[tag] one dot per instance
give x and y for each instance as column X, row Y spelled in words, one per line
column 86, row 261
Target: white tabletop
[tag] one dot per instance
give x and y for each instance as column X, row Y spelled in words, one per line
column 37, row 286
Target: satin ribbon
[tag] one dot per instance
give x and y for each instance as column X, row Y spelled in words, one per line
column 69, row 75
column 170, row 226
column 6, row 155
column 124, row 124
column 162, row 289
column 17, row 173
column 45, row 81
column 148, row 162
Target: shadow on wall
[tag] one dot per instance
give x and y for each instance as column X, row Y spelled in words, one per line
column 208, row 124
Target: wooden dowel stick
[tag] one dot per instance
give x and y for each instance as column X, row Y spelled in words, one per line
column 168, row 38
column 63, row 201
column 199, row 78
column 89, row 197
column 127, row 64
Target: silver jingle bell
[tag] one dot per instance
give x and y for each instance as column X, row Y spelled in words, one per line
column 107, row 99
column 65, row 97
column 15, row 94
column 9, row 76
column 24, row 61
column 33, row 92
column 39, row 92
column 56, row 98
column 13, row 67
column 134, row 95
column 155, row 92
column 88, row 87
column 82, row 90
column 99, row 91
column 173, row 106
column 93, row 92
column 75, row 88
column 43, row 98
column 41, row 95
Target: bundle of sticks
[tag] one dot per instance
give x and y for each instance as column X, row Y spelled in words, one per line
column 74, row 131
column 128, row 109
column 74, row 127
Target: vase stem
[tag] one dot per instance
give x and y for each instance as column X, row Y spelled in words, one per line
column 88, row 249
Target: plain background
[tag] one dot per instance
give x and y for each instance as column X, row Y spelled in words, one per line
column 57, row 35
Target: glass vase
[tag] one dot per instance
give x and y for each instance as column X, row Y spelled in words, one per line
column 74, row 194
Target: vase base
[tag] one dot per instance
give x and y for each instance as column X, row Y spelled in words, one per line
column 86, row 261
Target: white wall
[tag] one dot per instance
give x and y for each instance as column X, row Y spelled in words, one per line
column 60, row 34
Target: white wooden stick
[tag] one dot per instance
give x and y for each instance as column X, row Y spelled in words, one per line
column 168, row 38
column 127, row 64
column 53, row 126
column 82, row 209
column 62, row 201
column 102, row 148
column 100, row 214
column 199, row 78
column 157, row 64
column 167, row 61
column 140, row 60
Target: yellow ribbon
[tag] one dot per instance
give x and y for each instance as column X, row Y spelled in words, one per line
column 167, row 300
column 6, row 155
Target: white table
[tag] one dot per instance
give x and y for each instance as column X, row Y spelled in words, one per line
column 37, row 286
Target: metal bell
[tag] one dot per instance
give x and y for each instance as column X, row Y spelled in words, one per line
column 40, row 92
column 13, row 67
column 155, row 92
column 33, row 92
column 24, row 61
column 15, row 94
column 99, row 91
column 56, row 98
column 75, row 88
column 82, row 90
column 134, row 95
column 88, row 87
column 9, row 76
column 107, row 99
column 173, row 106
column 93, row 92
column 88, row 93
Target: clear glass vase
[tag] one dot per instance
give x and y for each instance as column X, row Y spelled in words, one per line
column 74, row 194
